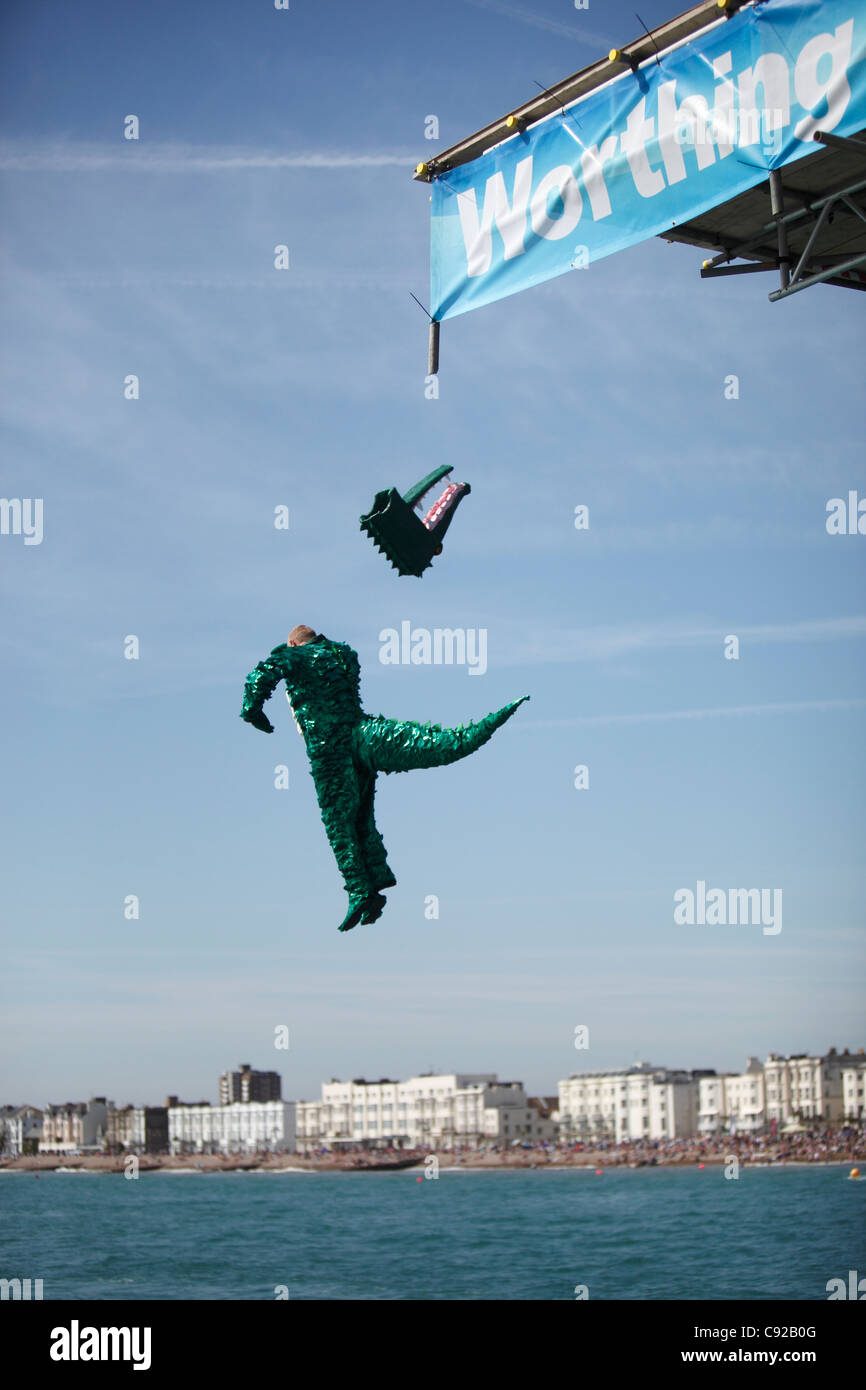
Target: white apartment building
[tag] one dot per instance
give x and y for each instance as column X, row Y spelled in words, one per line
column 20, row 1129
column 745, row 1100
column 732, row 1104
column 434, row 1111
column 242, row 1127
column 801, row 1088
column 854, row 1090
column 641, row 1102
column 138, row 1129
column 353, row 1111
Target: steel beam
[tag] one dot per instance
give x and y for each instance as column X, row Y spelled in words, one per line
column 666, row 36
column 813, row 236
column 712, row 272
column 777, row 205
column 858, row 212
column 849, row 143
column 819, row 278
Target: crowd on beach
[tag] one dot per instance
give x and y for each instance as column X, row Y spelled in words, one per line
column 823, row 1144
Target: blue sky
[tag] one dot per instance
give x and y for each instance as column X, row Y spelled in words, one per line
column 306, row 388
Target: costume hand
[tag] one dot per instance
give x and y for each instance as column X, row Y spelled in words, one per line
column 260, row 721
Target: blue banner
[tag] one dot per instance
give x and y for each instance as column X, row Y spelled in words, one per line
column 649, row 150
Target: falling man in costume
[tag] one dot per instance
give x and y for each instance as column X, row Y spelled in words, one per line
column 347, row 748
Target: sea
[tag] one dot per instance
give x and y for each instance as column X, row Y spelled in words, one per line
column 651, row 1233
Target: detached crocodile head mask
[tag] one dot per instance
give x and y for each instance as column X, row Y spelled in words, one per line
column 410, row 541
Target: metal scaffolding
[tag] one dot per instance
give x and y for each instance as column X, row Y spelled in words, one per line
column 823, row 236
column 806, row 220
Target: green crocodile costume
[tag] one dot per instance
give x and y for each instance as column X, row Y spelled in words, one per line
column 347, row 748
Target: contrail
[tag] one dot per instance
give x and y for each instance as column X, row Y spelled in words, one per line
column 788, row 707
column 174, row 159
column 609, row 643
column 591, row 38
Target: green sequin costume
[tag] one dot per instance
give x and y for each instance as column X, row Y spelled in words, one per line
column 347, row 748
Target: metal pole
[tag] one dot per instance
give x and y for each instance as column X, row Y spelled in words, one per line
column 852, row 207
column 816, row 279
column 433, row 349
column 841, row 142
column 710, row 273
column 777, row 206
column 813, row 237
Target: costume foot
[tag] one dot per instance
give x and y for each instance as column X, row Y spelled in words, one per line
column 353, row 916
column 373, row 908
column 385, row 880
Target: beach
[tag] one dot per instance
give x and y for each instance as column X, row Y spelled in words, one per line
column 842, row 1145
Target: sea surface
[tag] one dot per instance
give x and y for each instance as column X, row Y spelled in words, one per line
column 663, row 1233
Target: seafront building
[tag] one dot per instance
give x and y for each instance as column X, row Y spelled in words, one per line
column 536, row 1121
column 854, row 1090
column 639, row 1102
column 245, row 1085
column 651, row 1103
column 76, row 1127
column 458, row 1109
column 20, row 1130
column 801, row 1088
column 732, row 1103
column 240, row 1127
column 429, row 1111
column 141, row 1129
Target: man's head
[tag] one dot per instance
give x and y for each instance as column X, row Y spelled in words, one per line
column 301, row 634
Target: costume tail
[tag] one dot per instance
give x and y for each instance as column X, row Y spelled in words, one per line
column 401, row 745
